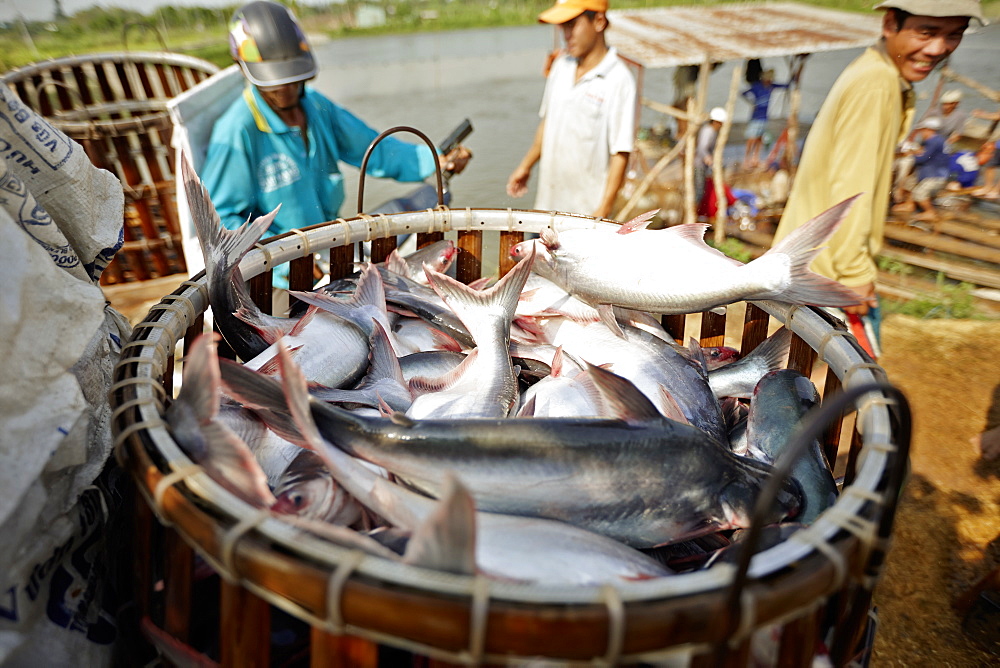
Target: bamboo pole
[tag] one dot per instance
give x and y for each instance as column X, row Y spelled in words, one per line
column 795, row 102
column 988, row 93
column 664, row 108
column 719, row 165
column 696, row 115
column 651, row 175
column 689, row 136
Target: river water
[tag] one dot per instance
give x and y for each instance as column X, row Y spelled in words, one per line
column 431, row 81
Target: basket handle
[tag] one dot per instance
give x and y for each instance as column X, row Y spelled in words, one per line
column 371, row 147
column 812, row 427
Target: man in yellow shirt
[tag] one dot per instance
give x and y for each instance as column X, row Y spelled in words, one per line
column 852, row 143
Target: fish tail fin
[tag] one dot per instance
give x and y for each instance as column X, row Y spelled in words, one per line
column 800, row 247
column 446, row 540
column 479, row 309
column 218, row 244
column 772, row 352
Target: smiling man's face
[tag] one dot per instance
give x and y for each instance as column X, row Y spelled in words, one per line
column 922, row 42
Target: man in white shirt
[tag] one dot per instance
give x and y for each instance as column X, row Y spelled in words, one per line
column 587, row 129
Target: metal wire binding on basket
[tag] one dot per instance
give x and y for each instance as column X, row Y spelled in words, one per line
column 446, row 616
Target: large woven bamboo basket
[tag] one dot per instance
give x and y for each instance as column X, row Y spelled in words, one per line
column 114, row 105
column 361, row 610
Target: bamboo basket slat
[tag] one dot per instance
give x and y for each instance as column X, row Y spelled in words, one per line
column 356, row 603
column 114, row 105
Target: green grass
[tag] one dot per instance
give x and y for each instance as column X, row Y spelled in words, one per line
column 948, row 300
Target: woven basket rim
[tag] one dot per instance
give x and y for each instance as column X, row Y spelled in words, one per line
column 141, row 434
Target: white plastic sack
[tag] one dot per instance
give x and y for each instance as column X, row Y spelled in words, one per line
column 61, row 221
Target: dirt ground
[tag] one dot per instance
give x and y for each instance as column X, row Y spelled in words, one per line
column 947, row 532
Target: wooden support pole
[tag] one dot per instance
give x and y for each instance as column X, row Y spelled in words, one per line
column 651, row 175
column 719, row 164
column 689, row 139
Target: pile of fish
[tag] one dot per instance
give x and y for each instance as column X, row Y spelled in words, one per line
column 544, row 428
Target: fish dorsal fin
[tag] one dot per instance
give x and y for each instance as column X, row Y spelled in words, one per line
column 424, row 385
column 697, row 354
column 670, row 408
column 528, row 409
column 558, row 363
column 370, row 290
column 384, row 363
column 271, row 366
column 304, row 321
column 693, row 232
column 444, row 341
column 270, row 333
column 202, row 383
column 446, row 540
column 640, row 222
column 606, row 313
column 549, row 237
column 396, row 264
column 622, row 397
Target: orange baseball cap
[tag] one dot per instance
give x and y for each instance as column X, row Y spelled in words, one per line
column 567, row 10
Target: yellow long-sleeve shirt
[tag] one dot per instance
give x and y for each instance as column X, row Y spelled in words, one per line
column 850, row 150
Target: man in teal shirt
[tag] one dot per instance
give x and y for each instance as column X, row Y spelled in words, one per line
column 282, row 141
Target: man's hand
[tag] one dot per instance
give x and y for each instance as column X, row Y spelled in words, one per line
column 868, row 299
column 455, row 160
column 517, row 183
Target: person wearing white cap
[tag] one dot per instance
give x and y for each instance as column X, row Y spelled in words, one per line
column 852, row 143
column 587, row 128
column 708, row 135
column 952, row 118
column 933, row 166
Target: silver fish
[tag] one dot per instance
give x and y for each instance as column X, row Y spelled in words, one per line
column 779, row 401
column 739, row 378
column 645, row 484
column 516, row 548
column 439, row 256
column 674, row 271
column 209, row 442
column 307, row 489
column 484, row 384
column 223, row 249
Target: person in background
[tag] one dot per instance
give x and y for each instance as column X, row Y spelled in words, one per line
column 759, row 95
column 952, row 118
column 587, row 128
column 933, row 167
column 990, row 187
column 282, row 141
column 704, row 151
column 852, row 143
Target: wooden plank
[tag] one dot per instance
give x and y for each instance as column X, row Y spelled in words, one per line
column 244, row 628
column 341, row 261
column 713, row 329
column 381, row 248
column 798, row 641
column 177, row 583
column 507, row 241
column 755, row 325
column 674, row 325
column 941, row 243
column 469, row 264
column 978, row 274
column 329, row 649
column 830, row 440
